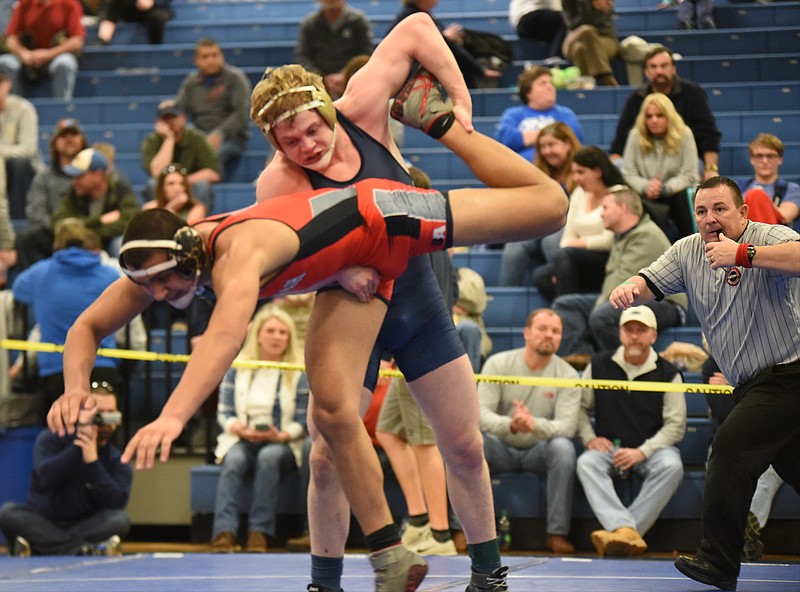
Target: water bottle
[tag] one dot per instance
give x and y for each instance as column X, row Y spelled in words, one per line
column 504, row 531
column 617, row 472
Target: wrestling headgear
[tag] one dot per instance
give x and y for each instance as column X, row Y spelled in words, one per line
column 186, row 255
column 311, row 91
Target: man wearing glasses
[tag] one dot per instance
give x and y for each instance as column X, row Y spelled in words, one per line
column 770, row 198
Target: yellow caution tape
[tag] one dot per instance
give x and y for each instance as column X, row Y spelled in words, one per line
column 148, row 356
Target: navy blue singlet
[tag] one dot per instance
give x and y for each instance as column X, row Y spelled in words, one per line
column 418, row 329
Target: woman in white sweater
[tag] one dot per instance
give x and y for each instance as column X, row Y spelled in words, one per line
column 661, row 164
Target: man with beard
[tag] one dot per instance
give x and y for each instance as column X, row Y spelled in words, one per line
column 690, row 101
column 530, row 428
column 634, row 432
column 78, row 491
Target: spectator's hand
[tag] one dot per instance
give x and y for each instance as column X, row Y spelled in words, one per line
column 654, row 187
column 145, row 444
column 709, row 174
column 721, row 252
column 490, row 73
column 177, row 203
column 575, row 243
column 360, row 281
column 86, row 440
column 64, row 411
column 38, row 58
column 454, row 32
column 717, row 378
column 334, row 83
column 144, row 5
column 522, row 421
column 110, row 217
column 603, row 5
column 624, row 295
column 529, row 137
column 215, row 140
column 162, row 129
column 625, row 458
column 600, row 444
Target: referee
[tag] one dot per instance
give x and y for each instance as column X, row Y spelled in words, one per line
column 749, row 309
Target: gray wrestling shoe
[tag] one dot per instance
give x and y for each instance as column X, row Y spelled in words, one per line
column 421, row 104
column 493, row 582
column 397, row 569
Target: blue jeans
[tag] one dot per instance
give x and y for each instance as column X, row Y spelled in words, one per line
column 60, row 537
column 230, row 151
column 662, row 474
column 555, row 458
column 520, row 259
column 266, row 463
column 62, row 71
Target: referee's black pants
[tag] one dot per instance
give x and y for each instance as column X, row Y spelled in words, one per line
column 762, row 429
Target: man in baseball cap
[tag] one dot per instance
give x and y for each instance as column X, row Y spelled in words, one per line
column 67, row 125
column 641, row 314
column 86, row 161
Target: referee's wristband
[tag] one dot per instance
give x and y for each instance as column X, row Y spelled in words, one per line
column 741, row 256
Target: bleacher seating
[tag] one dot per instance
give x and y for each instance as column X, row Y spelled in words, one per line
column 750, row 68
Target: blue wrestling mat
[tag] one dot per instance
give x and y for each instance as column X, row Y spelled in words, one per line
column 277, row 572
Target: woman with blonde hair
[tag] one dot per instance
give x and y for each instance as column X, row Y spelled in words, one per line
column 262, row 413
column 174, row 193
column 661, row 164
column 556, row 146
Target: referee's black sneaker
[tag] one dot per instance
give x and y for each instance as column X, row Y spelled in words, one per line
column 702, row 571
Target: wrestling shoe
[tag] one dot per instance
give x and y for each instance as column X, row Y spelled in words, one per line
column 397, row 569
column 421, row 104
column 413, row 535
column 320, row 588
column 702, row 571
column 753, row 547
column 108, row 547
column 493, row 582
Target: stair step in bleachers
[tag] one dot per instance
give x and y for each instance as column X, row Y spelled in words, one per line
column 509, row 307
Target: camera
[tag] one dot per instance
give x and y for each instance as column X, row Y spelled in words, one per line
column 106, row 418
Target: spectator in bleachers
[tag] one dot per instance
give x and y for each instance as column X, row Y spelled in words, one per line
column 578, row 263
column 690, row 102
column 770, row 198
column 634, row 432
column 696, row 14
column 43, row 39
column 173, row 142
column 471, row 303
column 19, row 150
column 540, row 20
column 216, row 98
column 262, row 413
column 660, row 164
column 329, row 38
column 556, row 146
column 154, row 14
column 103, row 202
column 8, row 255
column 768, row 483
column 78, row 274
column 35, row 240
column 590, row 322
column 530, row 428
column 591, row 41
column 79, row 490
column 174, row 193
column 472, row 69
column 519, row 126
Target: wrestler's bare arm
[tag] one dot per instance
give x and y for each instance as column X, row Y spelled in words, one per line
column 115, row 307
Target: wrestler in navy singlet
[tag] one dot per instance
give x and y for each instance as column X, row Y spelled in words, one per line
column 418, row 329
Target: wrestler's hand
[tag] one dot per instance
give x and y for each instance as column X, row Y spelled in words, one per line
column 144, row 445
column 624, row 295
column 63, row 414
column 360, row 281
column 721, row 252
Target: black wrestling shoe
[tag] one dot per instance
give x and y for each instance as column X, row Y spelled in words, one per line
column 702, row 571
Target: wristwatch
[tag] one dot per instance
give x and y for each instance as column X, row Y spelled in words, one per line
column 751, row 252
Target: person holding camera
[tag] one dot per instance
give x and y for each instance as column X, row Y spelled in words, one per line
column 262, row 413
column 79, row 489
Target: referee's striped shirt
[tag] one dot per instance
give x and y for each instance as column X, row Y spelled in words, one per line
column 751, row 317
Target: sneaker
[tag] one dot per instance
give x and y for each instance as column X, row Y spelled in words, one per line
column 20, row 548
column 397, row 569
column 301, row 543
column 625, row 542
column 108, row 547
column 753, row 547
column 256, row 542
column 321, row 588
column 430, row 546
column 493, row 582
column 224, row 542
column 421, row 104
column 413, row 535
